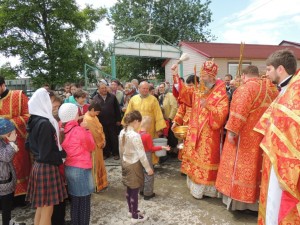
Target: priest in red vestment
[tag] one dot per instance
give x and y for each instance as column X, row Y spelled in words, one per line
column 209, row 104
column 279, row 201
column 241, row 160
column 183, row 114
column 13, row 106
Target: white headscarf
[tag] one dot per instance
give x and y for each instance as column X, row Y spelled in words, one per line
column 40, row 104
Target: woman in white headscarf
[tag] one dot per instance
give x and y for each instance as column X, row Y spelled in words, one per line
column 46, row 187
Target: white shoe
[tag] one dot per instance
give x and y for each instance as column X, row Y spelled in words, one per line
column 139, row 220
column 141, row 213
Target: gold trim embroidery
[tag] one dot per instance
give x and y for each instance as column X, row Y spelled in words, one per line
column 274, row 165
column 287, row 111
column 286, row 141
column 239, row 116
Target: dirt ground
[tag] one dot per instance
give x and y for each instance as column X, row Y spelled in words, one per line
column 173, row 203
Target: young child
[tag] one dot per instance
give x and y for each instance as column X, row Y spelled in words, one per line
column 80, row 98
column 7, row 172
column 92, row 121
column 78, row 144
column 70, row 96
column 133, row 159
column 147, row 188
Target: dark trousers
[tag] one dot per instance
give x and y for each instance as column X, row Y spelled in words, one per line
column 19, row 201
column 132, row 201
column 112, row 141
column 172, row 140
column 148, row 186
column 59, row 212
column 80, row 210
column 6, row 204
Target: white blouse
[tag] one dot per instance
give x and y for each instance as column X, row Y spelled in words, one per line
column 132, row 150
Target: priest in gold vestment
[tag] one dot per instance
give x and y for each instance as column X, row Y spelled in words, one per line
column 239, row 173
column 279, row 201
column 14, row 106
column 209, row 104
column 148, row 105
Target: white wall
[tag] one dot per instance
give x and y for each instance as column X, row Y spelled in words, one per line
column 188, row 66
column 198, row 59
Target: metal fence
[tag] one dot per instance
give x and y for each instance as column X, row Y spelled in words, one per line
column 23, row 84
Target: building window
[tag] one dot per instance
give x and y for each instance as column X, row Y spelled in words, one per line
column 233, row 66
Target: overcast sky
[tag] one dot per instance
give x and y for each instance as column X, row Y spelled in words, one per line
column 250, row 21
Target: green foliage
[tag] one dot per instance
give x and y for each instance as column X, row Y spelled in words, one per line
column 8, row 72
column 96, row 51
column 46, row 35
column 173, row 20
column 99, row 56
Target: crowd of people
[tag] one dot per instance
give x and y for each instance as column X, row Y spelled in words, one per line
column 241, row 144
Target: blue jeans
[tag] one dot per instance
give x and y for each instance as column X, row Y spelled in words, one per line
column 80, row 181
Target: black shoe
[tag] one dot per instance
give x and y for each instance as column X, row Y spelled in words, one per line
column 142, row 193
column 163, row 159
column 149, row 197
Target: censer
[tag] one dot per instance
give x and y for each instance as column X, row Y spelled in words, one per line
column 180, row 133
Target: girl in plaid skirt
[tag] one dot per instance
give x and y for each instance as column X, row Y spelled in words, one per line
column 46, row 187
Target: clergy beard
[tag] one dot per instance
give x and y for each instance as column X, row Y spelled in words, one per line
column 276, row 80
column 208, row 84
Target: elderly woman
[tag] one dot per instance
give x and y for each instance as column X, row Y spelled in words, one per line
column 129, row 92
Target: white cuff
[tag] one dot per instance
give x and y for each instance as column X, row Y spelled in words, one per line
column 15, row 147
column 176, row 86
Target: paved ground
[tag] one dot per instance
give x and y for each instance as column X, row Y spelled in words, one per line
column 172, row 205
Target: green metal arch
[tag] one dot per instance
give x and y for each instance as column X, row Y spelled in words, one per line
column 140, row 39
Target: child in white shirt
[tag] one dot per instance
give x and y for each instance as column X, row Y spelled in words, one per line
column 133, row 159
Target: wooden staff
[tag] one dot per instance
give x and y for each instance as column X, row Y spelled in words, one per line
column 195, row 77
column 239, row 69
column 202, row 87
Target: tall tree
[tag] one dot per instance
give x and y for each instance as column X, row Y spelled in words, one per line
column 8, row 72
column 46, row 35
column 173, row 20
column 99, row 56
column 97, row 52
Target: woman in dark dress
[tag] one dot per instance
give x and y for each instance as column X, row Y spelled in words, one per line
column 46, row 187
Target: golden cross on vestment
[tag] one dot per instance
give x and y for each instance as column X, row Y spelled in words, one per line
column 217, row 94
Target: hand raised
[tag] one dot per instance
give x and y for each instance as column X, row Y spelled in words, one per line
column 174, row 69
